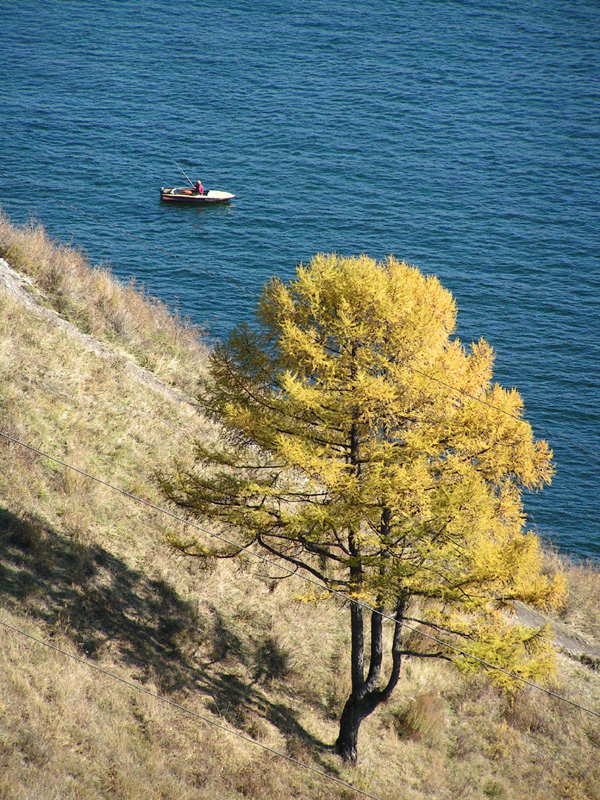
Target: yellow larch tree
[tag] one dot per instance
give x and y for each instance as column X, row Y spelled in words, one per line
column 366, row 447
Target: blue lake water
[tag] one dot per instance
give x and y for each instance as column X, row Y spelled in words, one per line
column 463, row 137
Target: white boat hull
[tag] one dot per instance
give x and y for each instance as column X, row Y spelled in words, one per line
column 183, row 195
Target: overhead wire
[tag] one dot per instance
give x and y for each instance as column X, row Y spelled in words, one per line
column 296, row 762
column 191, row 712
column 307, row 578
column 238, row 284
column 464, row 393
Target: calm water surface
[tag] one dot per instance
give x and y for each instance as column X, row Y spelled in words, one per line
column 462, row 137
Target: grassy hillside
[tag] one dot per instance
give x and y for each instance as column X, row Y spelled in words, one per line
column 91, row 572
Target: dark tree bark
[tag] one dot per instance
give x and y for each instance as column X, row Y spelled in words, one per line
column 365, row 696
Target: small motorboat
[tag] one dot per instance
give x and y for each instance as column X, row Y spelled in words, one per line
column 196, row 195
column 192, row 196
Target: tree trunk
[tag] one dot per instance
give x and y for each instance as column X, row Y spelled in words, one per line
column 353, row 714
column 365, row 697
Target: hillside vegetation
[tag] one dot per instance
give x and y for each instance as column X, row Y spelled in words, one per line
column 91, row 571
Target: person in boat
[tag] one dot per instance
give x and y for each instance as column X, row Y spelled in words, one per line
column 198, row 187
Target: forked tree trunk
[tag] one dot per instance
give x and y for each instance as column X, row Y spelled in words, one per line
column 365, row 696
column 355, row 710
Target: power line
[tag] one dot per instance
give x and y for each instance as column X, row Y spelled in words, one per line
column 189, row 711
column 587, row 450
column 410, row 368
column 306, row 578
column 238, row 284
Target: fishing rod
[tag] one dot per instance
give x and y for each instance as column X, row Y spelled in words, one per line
column 190, row 182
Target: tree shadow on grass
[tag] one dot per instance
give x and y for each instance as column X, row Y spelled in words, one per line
column 99, row 602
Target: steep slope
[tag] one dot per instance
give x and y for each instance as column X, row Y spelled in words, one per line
column 90, row 571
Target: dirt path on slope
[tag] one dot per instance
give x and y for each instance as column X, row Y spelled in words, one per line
column 565, row 638
column 22, row 288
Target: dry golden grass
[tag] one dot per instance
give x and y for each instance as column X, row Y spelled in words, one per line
column 582, row 609
column 135, row 324
column 68, row 731
column 90, row 571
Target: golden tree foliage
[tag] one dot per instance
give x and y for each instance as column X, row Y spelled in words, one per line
column 364, row 444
